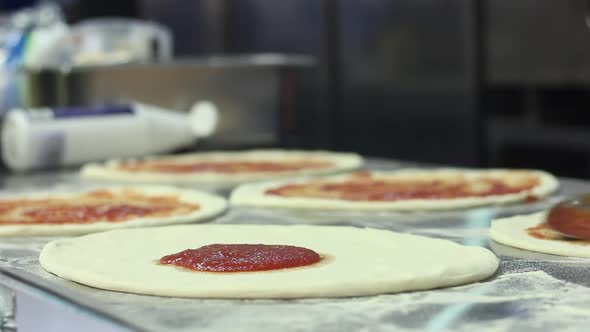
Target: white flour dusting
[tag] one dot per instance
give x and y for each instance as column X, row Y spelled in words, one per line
column 517, row 301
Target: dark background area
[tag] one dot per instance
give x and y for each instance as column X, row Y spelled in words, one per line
column 476, row 83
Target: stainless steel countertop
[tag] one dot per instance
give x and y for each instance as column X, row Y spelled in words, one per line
column 530, row 291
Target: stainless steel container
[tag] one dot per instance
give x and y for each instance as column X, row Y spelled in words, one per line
column 258, row 96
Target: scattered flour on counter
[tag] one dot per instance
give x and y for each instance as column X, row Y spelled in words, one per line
column 513, row 301
column 585, row 312
column 518, row 301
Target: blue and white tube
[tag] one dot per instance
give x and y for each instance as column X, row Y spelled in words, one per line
column 62, row 136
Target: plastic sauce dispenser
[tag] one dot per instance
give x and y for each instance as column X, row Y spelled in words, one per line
column 61, row 136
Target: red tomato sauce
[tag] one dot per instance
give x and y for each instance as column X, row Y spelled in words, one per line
column 224, row 166
column 242, row 258
column 90, row 207
column 545, row 232
column 382, row 190
column 88, row 214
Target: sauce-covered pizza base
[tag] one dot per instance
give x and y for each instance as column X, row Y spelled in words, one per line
column 222, row 166
column 74, row 212
column 531, row 232
column 91, row 207
column 401, row 190
column 364, row 187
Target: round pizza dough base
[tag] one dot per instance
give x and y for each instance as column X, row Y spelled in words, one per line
column 512, row 232
column 108, row 171
column 254, row 194
column 210, row 206
column 356, row 262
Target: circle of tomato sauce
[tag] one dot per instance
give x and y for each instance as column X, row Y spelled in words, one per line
column 571, row 217
column 225, row 166
column 85, row 214
column 381, row 190
column 242, row 257
column 90, row 207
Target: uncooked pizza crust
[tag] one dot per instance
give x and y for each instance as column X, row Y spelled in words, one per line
column 209, row 206
column 513, row 232
column 356, row 262
column 255, row 194
column 111, row 170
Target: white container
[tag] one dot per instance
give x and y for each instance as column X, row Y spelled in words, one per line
column 51, row 137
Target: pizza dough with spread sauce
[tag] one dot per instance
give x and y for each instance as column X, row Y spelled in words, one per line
column 223, row 167
column 354, row 262
column 530, row 232
column 59, row 213
column 404, row 190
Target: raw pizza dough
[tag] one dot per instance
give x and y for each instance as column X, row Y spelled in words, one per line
column 255, row 194
column 111, row 171
column 356, row 262
column 513, row 232
column 209, row 206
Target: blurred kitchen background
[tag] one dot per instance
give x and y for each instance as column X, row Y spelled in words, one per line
column 457, row 82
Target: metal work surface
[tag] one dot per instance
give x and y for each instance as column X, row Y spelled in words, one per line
column 530, row 291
